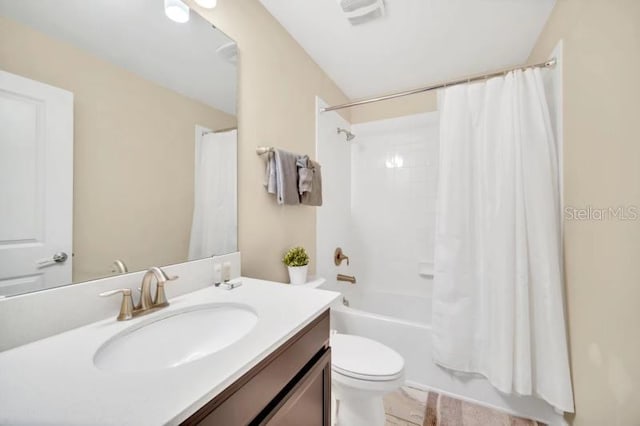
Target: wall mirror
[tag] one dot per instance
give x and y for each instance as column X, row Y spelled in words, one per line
column 118, row 140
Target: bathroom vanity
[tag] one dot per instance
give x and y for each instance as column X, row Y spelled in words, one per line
column 256, row 354
column 291, row 386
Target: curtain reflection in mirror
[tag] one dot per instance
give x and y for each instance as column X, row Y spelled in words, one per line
column 213, row 230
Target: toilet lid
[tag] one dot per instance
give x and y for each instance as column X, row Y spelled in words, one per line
column 365, row 359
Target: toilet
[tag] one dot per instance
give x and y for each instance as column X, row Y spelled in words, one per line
column 362, row 372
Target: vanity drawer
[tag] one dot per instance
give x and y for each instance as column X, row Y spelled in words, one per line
column 261, row 389
column 308, row 402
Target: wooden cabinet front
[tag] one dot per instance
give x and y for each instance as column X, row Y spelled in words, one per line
column 309, row 401
column 291, row 386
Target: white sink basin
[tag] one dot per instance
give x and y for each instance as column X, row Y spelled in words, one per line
column 175, row 339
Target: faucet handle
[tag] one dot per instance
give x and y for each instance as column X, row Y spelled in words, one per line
column 339, row 256
column 126, row 307
column 161, row 297
column 124, row 291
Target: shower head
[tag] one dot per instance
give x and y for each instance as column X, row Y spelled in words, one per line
column 350, row 136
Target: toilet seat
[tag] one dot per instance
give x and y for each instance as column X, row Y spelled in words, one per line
column 364, row 359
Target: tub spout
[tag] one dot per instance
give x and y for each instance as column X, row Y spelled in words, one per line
column 347, row 278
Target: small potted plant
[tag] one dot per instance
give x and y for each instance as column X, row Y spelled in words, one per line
column 297, row 260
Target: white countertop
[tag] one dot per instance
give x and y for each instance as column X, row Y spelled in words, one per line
column 54, row 381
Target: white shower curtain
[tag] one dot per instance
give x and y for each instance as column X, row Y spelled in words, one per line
column 214, row 225
column 498, row 298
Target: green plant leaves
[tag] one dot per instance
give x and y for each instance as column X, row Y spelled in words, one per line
column 296, row 256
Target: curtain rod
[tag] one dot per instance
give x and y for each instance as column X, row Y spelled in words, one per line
column 547, row 64
column 228, row 129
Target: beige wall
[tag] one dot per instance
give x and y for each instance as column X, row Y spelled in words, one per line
column 278, row 83
column 399, row 107
column 601, row 169
column 133, row 153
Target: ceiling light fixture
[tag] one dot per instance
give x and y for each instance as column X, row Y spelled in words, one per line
column 362, row 11
column 228, row 52
column 394, row 162
column 207, row 4
column 176, row 10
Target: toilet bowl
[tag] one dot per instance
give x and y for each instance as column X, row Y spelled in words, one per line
column 362, row 372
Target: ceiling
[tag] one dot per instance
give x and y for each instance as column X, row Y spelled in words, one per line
column 418, row 42
column 137, row 36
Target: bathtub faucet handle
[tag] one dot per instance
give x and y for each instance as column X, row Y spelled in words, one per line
column 339, row 256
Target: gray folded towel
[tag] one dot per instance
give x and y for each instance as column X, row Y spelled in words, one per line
column 314, row 197
column 286, row 177
column 305, row 174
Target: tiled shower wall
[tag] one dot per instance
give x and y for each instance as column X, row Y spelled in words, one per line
column 394, row 165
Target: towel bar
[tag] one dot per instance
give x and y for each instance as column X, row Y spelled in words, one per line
column 263, row 150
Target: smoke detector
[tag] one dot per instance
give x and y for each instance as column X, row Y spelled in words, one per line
column 360, row 12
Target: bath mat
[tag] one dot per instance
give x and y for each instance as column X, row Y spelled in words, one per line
column 413, row 407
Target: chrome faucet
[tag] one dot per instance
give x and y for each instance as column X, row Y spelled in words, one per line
column 146, row 304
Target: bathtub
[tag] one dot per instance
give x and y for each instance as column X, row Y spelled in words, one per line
column 402, row 322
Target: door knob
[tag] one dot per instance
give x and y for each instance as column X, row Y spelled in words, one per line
column 59, row 257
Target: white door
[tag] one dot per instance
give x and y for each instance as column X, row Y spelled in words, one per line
column 36, row 185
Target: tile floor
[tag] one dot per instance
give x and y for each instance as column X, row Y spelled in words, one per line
column 413, row 407
column 406, row 406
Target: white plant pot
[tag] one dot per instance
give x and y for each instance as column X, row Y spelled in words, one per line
column 298, row 274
